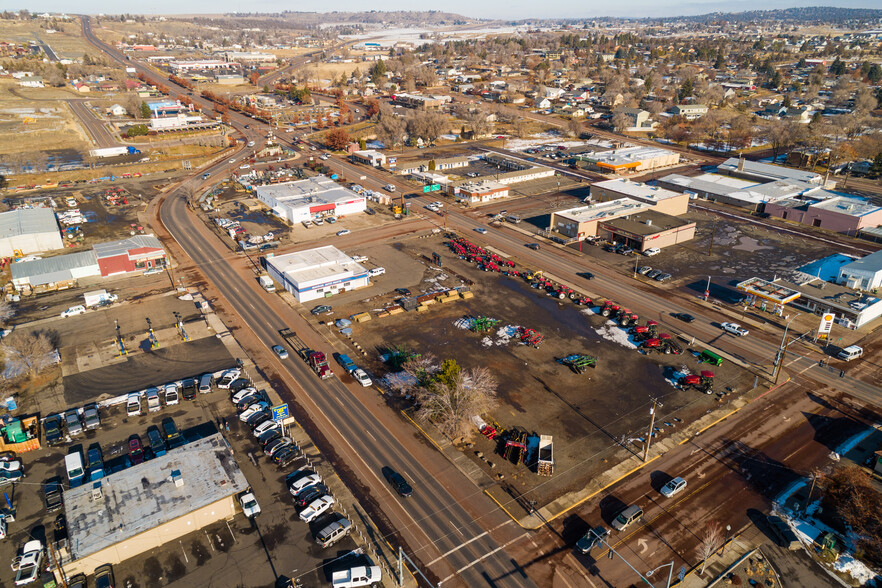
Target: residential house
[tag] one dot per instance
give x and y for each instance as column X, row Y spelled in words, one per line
column 638, row 119
column 689, row 111
column 31, row 82
column 116, row 110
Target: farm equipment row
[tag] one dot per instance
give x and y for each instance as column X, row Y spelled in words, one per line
column 579, row 363
column 519, row 447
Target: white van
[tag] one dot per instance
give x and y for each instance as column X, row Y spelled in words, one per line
column 205, row 384
column 850, row 352
column 153, row 404
column 73, row 463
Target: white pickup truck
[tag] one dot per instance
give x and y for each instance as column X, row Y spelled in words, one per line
column 29, row 565
column 357, row 577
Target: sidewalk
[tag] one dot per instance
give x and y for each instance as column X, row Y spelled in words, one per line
column 741, row 556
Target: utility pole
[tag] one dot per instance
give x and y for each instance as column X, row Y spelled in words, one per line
column 651, row 425
column 710, row 249
column 782, row 351
column 812, row 489
column 707, row 290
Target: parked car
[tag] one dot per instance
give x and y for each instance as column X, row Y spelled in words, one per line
column 533, row 246
column 280, row 351
column 258, row 406
column 52, row 429
column 321, row 309
column 673, row 487
column 591, row 539
column 627, row 517
column 398, row 482
column 91, row 419
column 136, row 450
column 205, row 381
column 7, row 478
column 269, row 437
column 343, row 232
column 278, row 445
column 652, row 251
column 73, row 311
column 171, row 394
column 265, row 426
column 74, row 425
column 362, row 378
column 404, row 292
column 654, row 273
column 189, row 388
column 249, row 400
column 52, row 497
column 301, row 479
column 643, row 270
column 663, row 277
column 315, row 508
column 735, row 329
column 239, row 384
column 377, row 271
column 685, row 317
column 481, row 230
column 133, row 404
column 308, row 494
column 157, row 442
column 104, row 577
column 333, row 531
column 172, row 436
column 249, row 505
column 227, row 378
column 30, row 564
column 242, row 394
column 784, row 535
column 96, row 462
column 153, row 403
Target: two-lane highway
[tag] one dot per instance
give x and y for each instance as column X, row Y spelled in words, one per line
column 437, row 529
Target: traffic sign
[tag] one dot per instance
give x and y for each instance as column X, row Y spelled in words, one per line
column 280, row 412
column 432, row 188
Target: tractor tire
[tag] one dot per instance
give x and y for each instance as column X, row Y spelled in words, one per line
column 667, row 350
column 604, row 313
column 561, row 296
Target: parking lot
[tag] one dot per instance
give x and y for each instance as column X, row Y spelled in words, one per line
column 237, row 552
column 591, row 414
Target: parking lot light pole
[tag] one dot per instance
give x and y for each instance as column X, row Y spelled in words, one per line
column 651, row 425
column 723, row 551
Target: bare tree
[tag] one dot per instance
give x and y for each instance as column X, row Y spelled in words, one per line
column 574, row 127
column 620, row 121
column 391, row 129
column 6, row 312
column 519, row 127
column 422, row 367
column 452, row 402
column 711, row 541
column 31, row 351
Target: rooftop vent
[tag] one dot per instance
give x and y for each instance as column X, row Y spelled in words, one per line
column 96, row 491
column 177, row 478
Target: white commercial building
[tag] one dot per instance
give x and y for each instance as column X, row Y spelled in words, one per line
column 862, row 274
column 311, row 198
column 317, row 273
column 29, row 230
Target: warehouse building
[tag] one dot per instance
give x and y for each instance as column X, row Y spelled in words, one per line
column 419, row 101
column 141, row 252
column 148, row 505
column 862, row 274
column 766, row 172
column 637, row 224
column 370, row 157
column 311, row 198
column 666, row 201
column 629, row 159
column 317, row 273
column 828, row 210
column 138, row 253
column 29, row 230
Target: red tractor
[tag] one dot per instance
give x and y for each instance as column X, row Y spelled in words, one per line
column 530, row 336
column 582, row 300
column 609, row 308
column 640, row 332
column 562, row 292
column 703, row 383
column 653, row 327
column 626, row 317
column 669, row 345
column 651, row 344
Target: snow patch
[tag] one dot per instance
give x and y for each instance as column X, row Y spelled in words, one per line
column 613, row 332
column 781, row 499
column 856, row 569
column 588, row 310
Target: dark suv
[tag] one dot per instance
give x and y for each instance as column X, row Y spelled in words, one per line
column 189, row 388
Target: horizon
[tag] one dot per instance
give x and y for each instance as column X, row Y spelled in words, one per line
column 520, row 10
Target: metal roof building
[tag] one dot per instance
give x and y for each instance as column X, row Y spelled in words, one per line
column 29, row 230
column 149, row 504
column 51, row 270
column 316, row 273
column 310, row 198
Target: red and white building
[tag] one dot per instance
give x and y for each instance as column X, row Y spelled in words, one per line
column 138, row 253
column 309, row 199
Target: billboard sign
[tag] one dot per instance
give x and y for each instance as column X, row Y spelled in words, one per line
column 280, row 412
column 827, row 319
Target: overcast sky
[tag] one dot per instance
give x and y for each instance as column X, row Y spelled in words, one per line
column 496, row 9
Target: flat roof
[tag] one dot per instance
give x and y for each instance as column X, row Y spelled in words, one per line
column 27, row 221
column 774, row 191
column 636, row 189
column 766, row 290
column 625, row 156
column 658, row 223
column 843, row 204
column 321, row 189
column 602, row 210
column 313, row 265
column 868, row 263
column 769, row 171
column 144, row 496
column 833, row 295
column 710, row 183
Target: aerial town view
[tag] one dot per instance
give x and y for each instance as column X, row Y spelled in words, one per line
column 494, row 295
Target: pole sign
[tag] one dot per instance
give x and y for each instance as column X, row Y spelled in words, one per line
column 280, row 412
column 826, row 323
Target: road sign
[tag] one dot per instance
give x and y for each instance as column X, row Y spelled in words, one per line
column 432, row 188
column 280, row 412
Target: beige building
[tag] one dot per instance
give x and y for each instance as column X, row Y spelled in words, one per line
column 151, row 504
column 629, row 159
column 661, row 200
column 483, row 191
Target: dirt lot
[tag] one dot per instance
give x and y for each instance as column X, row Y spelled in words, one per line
column 41, row 124
column 596, row 418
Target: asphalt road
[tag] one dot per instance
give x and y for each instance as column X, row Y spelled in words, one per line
column 438, row 530
column 94, row 126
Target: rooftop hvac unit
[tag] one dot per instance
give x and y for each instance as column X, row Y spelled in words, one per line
column 648, row 221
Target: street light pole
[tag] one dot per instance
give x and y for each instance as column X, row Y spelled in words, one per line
column 651, row 425
column 669, row 565
column 728, row 528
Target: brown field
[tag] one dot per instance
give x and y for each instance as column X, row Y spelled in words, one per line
column 31, row 125
column 68, row 44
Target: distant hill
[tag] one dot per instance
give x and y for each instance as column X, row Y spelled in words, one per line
column 805, row 15
column 398, row 17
